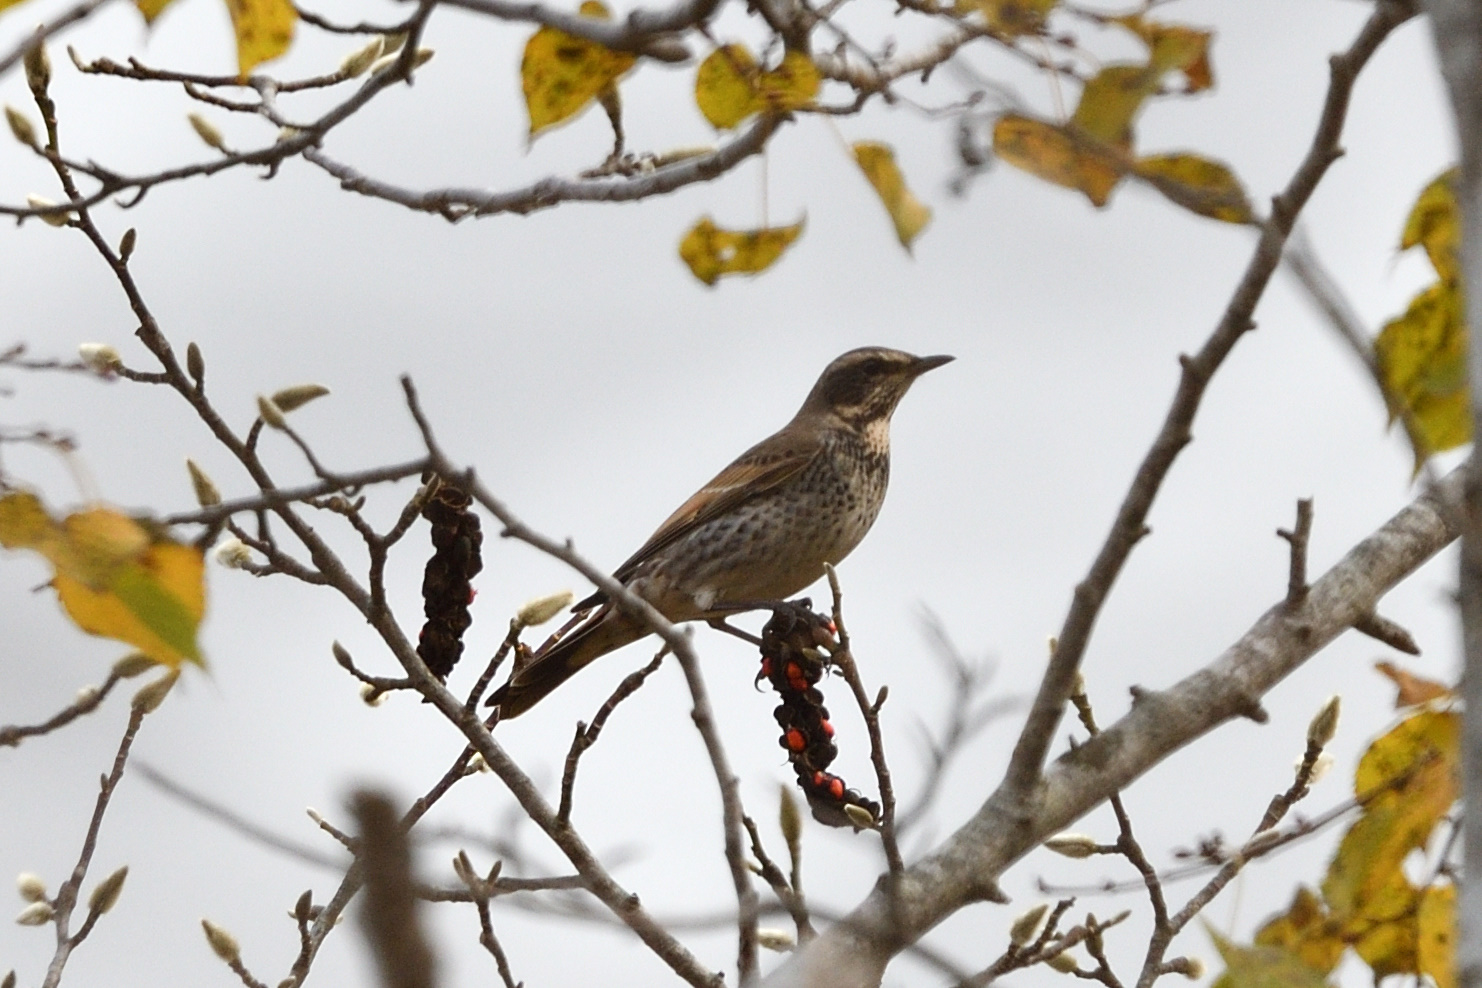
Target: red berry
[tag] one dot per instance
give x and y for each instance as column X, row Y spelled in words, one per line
column 767, row 666
column 795, row 739
column 828, row 728
column 836, row 787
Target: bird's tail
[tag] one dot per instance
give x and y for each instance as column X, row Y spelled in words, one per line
column 604, row 631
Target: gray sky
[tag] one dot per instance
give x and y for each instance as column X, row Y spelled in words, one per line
column 594, row 383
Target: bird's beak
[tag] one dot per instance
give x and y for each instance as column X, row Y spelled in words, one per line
column 924, row 364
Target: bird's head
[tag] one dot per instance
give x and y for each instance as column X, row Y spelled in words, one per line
column 865, row 385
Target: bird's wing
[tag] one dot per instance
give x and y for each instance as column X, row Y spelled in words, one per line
column 760, row 469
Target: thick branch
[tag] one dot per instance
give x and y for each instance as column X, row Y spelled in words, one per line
column 1131, row 522
column 856, row 951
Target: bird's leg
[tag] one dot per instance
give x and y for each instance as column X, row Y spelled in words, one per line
column 720, row 624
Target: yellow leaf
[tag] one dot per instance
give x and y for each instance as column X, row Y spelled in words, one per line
column 1016, row 17
column 711, row 252
column 1413, row 690
column 1262, row 966
column 730, row 86
column 1174, row 46
column 907, row 212
column 1384, row 933
column 561, row 74
column 1306, row 931
column 1436, row 935
column 264, row 29
column 1058, row 154
column 1410, row 778
column 1111, row 100
column 24, row 523
column 1205, row 187
column 115, row 577
column 1435, row 223
column 1422, row 362
column 149, row 8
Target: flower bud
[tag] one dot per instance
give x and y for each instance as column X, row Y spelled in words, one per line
column 1325, row 724
column 1062, row 962
column 100, row 358
column 195, row 364
column 31, row 887
column 21, row 127
column 1027, row 925
column 1320, row 767
column 542, row 609
column 270, row 413
column 773, row 939
column 357, row 62
column 36, row 914
column 234, row 554
column 790, row 819
column 206, row 131
column 297, row 396
column 1073, row 845
column 862, row 818
column 105, row 894
column 151, row 695
column 206, row 491
column 133, row 664
column 372, row 696
column 88, row 694
column 223, row 944
column 391, row 43
column 38, row 68
column 50, row 219
column 422, row 57
column 126, row 244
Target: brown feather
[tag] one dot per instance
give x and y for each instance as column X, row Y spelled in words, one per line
column 755, row 472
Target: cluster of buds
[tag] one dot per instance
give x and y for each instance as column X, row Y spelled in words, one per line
column 793, row 661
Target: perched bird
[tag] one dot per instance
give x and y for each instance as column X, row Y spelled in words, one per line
column 762, row 530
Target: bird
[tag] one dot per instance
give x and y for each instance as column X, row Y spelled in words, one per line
column 761, row 531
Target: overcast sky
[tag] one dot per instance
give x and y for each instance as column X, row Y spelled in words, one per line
column 595, row 384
